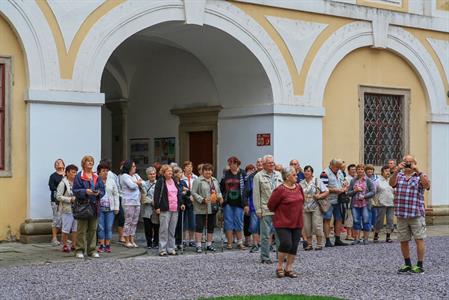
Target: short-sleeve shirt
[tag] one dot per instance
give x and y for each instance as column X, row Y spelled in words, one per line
column 408, row 197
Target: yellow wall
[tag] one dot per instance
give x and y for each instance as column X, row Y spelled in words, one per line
column 13, row 191
column 372, row 67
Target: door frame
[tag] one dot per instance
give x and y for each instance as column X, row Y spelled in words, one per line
column 193, row 119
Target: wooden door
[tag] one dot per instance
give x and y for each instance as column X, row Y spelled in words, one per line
column 200, row 148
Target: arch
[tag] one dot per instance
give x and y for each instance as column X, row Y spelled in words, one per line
column 360, row 34
column 120, row 78
column 132, row 17
column 34, row 35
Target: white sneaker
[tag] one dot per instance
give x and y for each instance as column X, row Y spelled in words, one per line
column 79, row 255
column 95, row 255
column 55, row 242
column 135, row 245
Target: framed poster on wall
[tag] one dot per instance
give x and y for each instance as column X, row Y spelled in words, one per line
column 139, row 153
column 164, row 150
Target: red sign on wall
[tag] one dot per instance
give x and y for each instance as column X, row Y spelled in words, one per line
column 263, row 139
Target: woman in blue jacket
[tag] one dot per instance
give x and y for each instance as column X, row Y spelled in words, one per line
column 88, row 187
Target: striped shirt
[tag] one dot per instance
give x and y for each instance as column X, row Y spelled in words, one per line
column 408, row 197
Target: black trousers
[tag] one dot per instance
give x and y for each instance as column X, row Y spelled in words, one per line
column 178, row 231
column 246, row 221
column 151, row 232
column 200, row 222
column 288, row 239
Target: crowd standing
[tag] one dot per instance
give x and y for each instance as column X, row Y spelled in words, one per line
column 265, row 207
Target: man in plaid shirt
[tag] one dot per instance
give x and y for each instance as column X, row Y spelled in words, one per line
column 409, row 184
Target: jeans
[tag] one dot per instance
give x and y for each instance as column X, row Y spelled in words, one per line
column 105, row 222
column 233, row 218
column 167, row 228
column 373, row 216
column 334, row 210
column 189, row 219
column 381, row 212
column 254, row 223
column 266, row 229
column 359, row 215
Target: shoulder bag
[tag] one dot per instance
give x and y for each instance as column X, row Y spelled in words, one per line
column 323, row 203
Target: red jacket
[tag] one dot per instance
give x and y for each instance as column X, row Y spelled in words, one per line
column 287, row 205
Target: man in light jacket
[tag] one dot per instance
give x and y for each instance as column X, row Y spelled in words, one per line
column 264, row 183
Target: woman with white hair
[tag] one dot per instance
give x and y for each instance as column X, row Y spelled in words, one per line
column 287, row 203
column 150, row 218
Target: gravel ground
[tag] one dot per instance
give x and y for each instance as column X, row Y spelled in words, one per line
column 353, row 272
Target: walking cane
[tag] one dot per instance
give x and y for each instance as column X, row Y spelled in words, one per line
column 182, row 231
column 222, row 228
column 205, row 251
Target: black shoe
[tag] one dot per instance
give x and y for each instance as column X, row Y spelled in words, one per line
column 266, row 261
column 199, row 250
column 149, row 246
column 328, row 244
column 339, row 243
column 155, row 244
column 304, row 245
column 210, row 248
column 192, row 244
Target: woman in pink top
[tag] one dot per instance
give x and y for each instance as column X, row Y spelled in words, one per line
column 167, row 203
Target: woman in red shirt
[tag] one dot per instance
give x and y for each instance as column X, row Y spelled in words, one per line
column 287, row 203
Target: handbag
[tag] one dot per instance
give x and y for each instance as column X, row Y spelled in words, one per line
column 154, row 215
column 83, row 210
column 343, row 198
column 324, row 205
column 143, row 195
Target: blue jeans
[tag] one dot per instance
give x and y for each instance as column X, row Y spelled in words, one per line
column 105, row 222
column 334, row 210
column 254, row 223
column 266, row 229
column 233, row 218
column 359, row 215
column 189, row 219
column 373, row 217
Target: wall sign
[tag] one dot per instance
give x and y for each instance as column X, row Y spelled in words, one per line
column 263, row 139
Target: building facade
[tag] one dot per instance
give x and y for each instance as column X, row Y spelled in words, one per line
column 363, row 80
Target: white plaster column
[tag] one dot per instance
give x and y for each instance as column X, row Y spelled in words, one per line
column 63, row 125
column 439, row 159
column 298, row 134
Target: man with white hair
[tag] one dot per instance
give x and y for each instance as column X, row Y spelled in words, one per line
column 264, row 183
column 334, row 179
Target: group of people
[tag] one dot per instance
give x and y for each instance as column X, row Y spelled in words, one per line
column 260, row 205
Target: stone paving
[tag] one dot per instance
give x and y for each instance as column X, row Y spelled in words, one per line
column 353, row 272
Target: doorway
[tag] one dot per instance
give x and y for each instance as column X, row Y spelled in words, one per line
column 201, row 148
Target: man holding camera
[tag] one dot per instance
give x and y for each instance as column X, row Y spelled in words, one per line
column 409, row 184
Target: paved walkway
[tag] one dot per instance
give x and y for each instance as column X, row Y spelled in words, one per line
column 17, row 254
column 353, row 272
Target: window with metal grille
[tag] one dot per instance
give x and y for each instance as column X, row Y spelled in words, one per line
column 2, row 116
column 383, row 128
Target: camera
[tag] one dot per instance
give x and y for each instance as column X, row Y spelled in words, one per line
column 408, row 165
